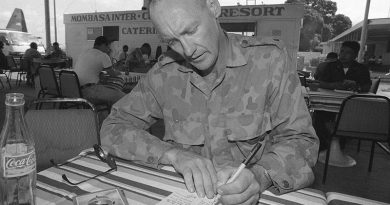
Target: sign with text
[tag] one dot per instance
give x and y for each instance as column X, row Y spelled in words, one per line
column 227, row 12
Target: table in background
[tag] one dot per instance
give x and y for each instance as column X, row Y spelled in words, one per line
column 330, row 101
column 52, row 62
column 141, row 185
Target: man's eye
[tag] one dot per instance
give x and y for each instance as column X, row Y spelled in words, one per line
column 171, row 42
column 193, row 31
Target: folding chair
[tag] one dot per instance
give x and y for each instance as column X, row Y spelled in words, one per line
column 13, row 67
column 374, row 85
column 25, row 67
column 60, row 134
column 4, row 73
column 364, row 117
column 48, row 81
column 70, row 88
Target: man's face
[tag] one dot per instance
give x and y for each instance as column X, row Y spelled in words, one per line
column 105, row 48
column 347, row 55
column 189, row 29
column 125, row 49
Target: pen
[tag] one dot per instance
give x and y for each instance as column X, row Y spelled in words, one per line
column 246, row 161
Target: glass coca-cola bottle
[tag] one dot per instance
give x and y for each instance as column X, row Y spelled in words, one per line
column 17, row 156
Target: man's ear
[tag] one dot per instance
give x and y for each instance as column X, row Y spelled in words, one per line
column 214, row 7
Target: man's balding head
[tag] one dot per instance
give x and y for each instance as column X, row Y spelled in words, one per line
column 190, row 28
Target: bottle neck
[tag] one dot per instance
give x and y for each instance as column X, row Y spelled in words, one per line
column 14, row 125
column 14, row 113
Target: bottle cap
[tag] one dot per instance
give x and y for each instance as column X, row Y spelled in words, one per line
column 14, row 99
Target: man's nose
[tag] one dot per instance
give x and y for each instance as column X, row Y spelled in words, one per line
column 188, row 47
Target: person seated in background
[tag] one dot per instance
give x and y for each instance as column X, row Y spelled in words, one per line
column 345, row 73
column 57, row 52
column 89, row 66
column 379, row 60
column 234, row 92
column 325, row 69
column 3, row 58
column 28, row 57
column 123, row 56
column 146, row 51
column 371, row 60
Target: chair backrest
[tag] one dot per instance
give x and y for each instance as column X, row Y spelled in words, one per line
column 25, row 64
column 374, row 85
column 12, row 64
column 302, row 78
column 365, row 117
column 69, row 84
column 48, row 81
column 60, row 134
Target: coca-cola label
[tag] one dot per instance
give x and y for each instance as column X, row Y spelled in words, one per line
column 18, row 165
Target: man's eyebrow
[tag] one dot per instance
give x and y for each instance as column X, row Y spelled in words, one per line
column 189, row 27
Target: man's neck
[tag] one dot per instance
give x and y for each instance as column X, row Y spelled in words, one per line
column 220, row 63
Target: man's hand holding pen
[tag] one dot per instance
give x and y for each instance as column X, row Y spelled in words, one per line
column 244, row 190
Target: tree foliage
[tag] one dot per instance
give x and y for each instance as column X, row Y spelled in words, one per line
column 320, row 23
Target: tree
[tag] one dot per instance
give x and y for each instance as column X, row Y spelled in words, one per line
column 340, row 23
column 320, row 21
column 312, row 24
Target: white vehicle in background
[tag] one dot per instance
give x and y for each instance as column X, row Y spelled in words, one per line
column 16, row 42
column 15, row 37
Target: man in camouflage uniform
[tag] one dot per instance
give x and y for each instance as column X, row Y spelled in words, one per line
column 231, row 91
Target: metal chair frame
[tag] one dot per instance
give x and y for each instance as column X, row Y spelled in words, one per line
column 374, row 141
column 48, row 85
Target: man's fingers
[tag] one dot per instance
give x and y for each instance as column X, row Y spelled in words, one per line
column 198, row 181
column 213, row 175
column 246, row 197
column 207, row 180
column 223, row 176
column 188, row 180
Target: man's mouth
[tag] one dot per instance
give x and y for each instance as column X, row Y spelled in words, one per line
column 197, row 58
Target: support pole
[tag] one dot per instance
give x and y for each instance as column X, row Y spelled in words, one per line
column 47, row 25
column 363, row 37
column 55, row 21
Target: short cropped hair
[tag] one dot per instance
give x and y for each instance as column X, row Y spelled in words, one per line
column 354, row 45
column 100, row 41
column 56, row 44
column 331, row 55
column 125, row 46
column 33, row 45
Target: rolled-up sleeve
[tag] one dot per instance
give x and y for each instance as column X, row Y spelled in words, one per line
column 123, row 132
column 292, row 149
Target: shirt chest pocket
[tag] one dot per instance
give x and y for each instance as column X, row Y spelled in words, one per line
column 188, row 132
column 239, row 127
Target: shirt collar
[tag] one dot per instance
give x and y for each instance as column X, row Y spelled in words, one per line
column 235, row 57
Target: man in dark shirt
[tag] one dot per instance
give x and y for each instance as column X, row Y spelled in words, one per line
column 343, row 74
column 347, row 73
column 324, row 71
column 3, row 58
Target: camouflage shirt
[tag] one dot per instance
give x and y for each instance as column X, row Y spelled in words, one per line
column 256, row 93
